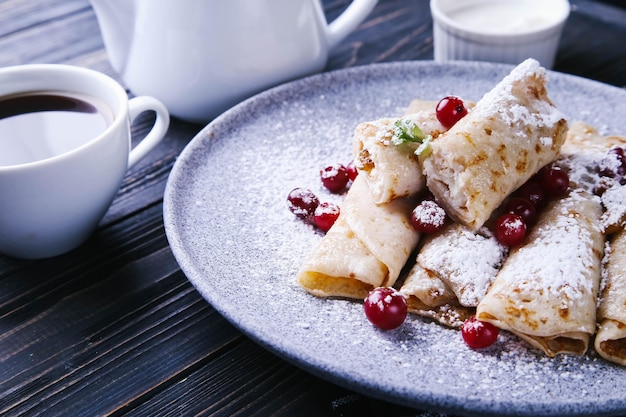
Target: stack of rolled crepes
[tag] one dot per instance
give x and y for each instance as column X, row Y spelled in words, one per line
column 545, row 290
column 525, row 136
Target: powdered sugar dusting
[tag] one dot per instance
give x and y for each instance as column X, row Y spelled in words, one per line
column 384, row 133
column 466, row 261
column 614, row 201
column 430, row 213
column 555, row 242
column 581, row 168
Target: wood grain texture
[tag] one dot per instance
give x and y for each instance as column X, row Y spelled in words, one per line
column 114, row 328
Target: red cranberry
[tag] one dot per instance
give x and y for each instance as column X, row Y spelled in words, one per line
column 325, row 215
column 510, row 229
column 533, row 192
column 450, row 110
column 385, row 308
column 554, row 181
column 428, row 217
column 302, row 202
column 478, row 334
column 523, row 208
column 335, row 177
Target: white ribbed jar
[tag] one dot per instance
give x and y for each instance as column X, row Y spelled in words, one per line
column 507, row 31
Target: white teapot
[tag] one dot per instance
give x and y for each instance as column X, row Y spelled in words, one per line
column 200, row 57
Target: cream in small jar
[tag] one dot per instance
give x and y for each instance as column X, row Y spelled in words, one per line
column 507, row 17
column 506, row 31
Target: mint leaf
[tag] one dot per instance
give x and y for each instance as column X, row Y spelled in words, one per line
column 424, row 149
column 406, row 131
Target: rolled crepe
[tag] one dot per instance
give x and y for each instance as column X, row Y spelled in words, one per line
column 452, row 273
column 510, row 134
column 393, row 171
column 610, row 340
column 582, row 139
column 546, row 291
column 418, row 105
column 367, row 247
column 583, row 155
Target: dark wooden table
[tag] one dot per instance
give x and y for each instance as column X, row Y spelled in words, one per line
column 114, row 327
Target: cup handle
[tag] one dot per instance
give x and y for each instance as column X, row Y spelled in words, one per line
column 346, row 22
column 138, row 105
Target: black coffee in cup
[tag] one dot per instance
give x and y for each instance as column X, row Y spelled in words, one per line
column 41, row 125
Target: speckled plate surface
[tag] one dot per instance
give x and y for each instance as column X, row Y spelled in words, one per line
column 229, row 228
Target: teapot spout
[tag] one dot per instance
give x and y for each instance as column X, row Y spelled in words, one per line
column 116, row 19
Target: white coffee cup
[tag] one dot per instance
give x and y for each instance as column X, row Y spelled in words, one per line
column 51, row 202
column 200, row 57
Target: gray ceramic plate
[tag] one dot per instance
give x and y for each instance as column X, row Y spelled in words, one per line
column 230, row 230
